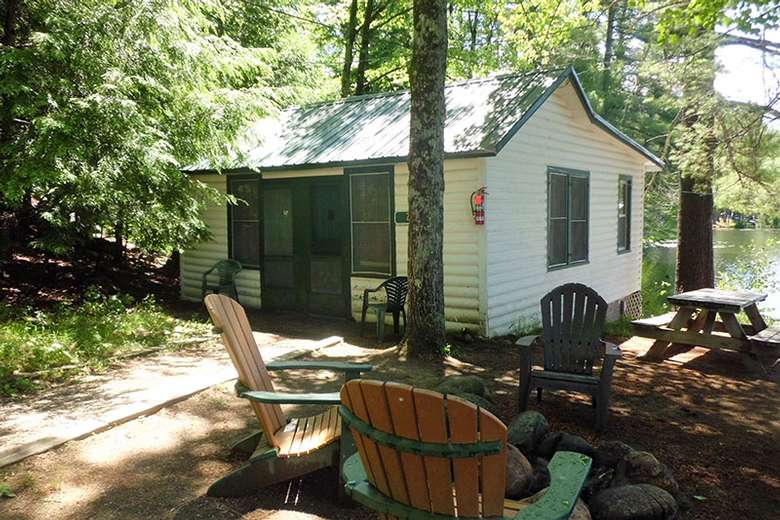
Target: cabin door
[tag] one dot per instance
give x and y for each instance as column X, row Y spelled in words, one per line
column 306, row 246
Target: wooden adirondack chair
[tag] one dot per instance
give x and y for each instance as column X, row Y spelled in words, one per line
column 573, row 318
column 427, row 456
column 285, row 448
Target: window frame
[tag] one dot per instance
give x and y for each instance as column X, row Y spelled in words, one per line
column 388, row 170
column 230, row 181
column 568, row 173
column 625, row 180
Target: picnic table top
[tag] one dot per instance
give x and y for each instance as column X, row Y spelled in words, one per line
column 717, row 299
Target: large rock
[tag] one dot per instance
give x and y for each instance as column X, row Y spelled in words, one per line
column 462, row 385
column 571, row 442
column 548, row 446
column 518, row 473
column 641, row 467
column 540, row 478
column 580, row 511
column 633, row 502
column 527, row 430
column 477, row 400
column 610, row 453
column 599, row 479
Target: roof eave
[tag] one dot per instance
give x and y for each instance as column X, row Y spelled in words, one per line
column 467, row 154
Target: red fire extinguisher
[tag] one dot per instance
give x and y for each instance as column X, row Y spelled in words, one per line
column 478, row 205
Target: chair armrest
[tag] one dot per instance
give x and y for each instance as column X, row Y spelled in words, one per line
column 568, row 471
column 526, row 341
column 336, row 366
column 285, row 398
column 612, row 350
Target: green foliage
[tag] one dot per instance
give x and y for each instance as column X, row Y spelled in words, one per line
column 754, row 271
column 658, row 282
column 105, row 101
column 88, row 334
column 5, row 491
column 619, row 328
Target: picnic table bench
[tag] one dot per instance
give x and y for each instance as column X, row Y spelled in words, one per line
column 695, row 323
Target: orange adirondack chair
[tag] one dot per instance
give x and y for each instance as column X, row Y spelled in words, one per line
column 286, row 448
column 423, row 455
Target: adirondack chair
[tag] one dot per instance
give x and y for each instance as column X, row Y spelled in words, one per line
column 572, row 323
column 396, row 289
column 227, row 271
column 425, row 455
column 286, row 448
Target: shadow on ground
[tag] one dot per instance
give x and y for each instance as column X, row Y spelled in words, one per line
column 716, row 426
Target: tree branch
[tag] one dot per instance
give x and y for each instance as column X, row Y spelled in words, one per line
column 755, row 43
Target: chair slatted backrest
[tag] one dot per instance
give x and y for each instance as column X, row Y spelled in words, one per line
column 227, row 271
column 396, row 289
column 230, row 318
column 573, row 318
column 467, row 485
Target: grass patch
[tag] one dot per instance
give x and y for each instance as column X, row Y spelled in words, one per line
column 619, row 328
column 86, row 335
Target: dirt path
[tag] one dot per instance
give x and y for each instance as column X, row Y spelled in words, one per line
column 716, row 426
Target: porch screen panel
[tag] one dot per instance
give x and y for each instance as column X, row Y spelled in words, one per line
column 245, row 222
column 371, row 223
column 278, row 238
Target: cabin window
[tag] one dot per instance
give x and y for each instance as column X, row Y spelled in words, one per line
column 371, row 208
column 624, row 214
column 245, row 222
column 567, row 217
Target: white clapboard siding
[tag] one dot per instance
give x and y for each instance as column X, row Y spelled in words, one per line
column 463, row 246
column 196, row 261
column 558, row 134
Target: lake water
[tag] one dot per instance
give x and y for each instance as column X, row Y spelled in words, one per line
column 735, row 248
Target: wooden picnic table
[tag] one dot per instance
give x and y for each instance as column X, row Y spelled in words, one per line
column 695, row 323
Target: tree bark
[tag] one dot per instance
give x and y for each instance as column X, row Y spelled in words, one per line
column 119, row 247
column 426, row 335
column 349, row 44
column 365, row 39
column 695, row 262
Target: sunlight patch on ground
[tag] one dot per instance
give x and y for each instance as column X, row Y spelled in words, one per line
column 158, row 433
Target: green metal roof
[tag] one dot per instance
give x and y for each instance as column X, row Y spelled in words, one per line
column 482, row 115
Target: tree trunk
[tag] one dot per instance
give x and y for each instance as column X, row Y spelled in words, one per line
column 119, row 248
column 365, row 39
column 698, row 146
column 606, row 74
column 695, row 264
column 349, row 45
column 426, row 336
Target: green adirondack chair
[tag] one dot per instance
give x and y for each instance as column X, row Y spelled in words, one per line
column 423, row 455
column 286, row 448
column 226, row 282
column 573, row 317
